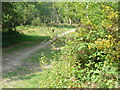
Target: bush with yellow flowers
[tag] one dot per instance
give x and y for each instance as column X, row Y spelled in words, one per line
column 90, row 56
column 96, row 48
column 108, row 46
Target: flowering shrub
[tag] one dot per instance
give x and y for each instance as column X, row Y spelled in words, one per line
column 91, row 54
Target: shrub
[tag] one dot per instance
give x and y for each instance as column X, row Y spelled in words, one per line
column 90, row 57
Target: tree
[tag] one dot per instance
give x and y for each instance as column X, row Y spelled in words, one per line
column 9, row 16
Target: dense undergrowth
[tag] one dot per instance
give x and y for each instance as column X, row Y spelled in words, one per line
column 90, row 56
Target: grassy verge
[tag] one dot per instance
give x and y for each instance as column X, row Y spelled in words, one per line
column 42, row 31
column 13, row 39
column 29, row 33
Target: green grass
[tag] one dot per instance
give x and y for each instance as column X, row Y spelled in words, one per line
column 43, row 31
column 23, row 77
column 29, row 33
column 24, row 45
column 10, row 40
column 30, row 81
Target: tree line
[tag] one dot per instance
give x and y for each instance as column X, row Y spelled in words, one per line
column 35, row 13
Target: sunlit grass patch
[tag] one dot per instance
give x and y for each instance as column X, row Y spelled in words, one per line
column 43, row 31
column 30, row 33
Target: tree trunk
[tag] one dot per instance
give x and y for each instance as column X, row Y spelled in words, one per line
column 70, row 21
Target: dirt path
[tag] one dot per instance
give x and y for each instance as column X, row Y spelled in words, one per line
column 12, row 60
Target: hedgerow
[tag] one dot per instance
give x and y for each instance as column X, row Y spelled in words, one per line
column 89, row 58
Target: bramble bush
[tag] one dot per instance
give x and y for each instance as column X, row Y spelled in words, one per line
column 89, row 58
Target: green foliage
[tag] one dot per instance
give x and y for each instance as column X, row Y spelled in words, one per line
column 90, row 55
column 25, row 13
column 9, row 16
column 63, row 74
column 57, row 76
column 36, row 22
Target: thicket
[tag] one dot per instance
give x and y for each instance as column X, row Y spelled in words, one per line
column 91, row 55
